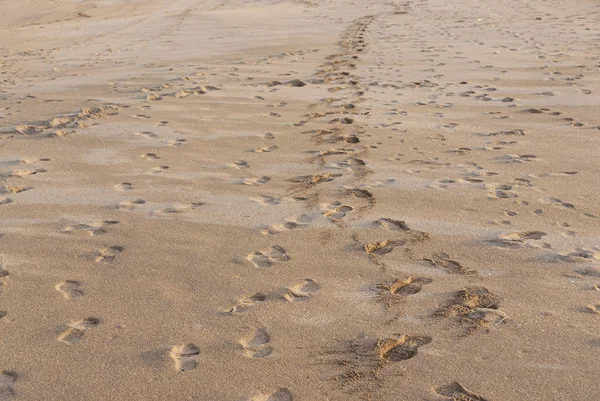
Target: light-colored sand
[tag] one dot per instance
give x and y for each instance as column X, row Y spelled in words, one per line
column 299, row 200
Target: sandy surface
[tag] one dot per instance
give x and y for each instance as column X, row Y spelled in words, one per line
column 299, row 200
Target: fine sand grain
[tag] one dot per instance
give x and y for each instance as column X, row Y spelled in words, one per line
column 299, row 200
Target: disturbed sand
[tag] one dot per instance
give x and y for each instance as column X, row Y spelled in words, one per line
column 299, row 200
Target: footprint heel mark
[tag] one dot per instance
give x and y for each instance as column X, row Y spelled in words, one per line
column 302, row 291
column 457, row 392
column 70, row 289
column 76, row 330
column 185, row 356
column 257, row 344
column 281, row 394
column 7, row 383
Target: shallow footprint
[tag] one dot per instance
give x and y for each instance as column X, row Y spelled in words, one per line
column 130, row 204
column 457, row 392
column 76, row 330
column 185, row 356
column 7, row 382
column 268, row 257
column 302, row 291
column 256, row 345
column 107, row 255
column 245, row 303
column 124, row 186
column 70, row 289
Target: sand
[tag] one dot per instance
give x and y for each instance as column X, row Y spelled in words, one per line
column 299, row 200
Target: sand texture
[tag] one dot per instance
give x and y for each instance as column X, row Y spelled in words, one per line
column 260, row 200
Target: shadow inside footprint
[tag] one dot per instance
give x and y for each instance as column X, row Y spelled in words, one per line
column 256, row 345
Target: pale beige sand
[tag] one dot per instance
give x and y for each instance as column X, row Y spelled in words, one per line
column 299, row 200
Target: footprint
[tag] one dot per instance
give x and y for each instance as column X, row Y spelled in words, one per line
column 13, row 189
column 298, row 222
column 25, row 173
column 254, row 181
column 520, row 236
column 245, row 303
column 176, row 142
column 379, row 248
column 150, row 156
column 70, row 289
column 557, row 202
column 579, row 255
column 256, row 345
column 76, row 330
column 107, row 255
column 588, row 272
column 593, row 308
column 267, row 200
column 336, row 210
column 281, row 394
column 476, row 307
column 7, row 382
column 442, row 260
column 391, row 224
column 302, row 291
column 3, row 274
column 159, row 169
column 93, row 228
column 123, row 187
column 5, row 201
column 314, row 179
column 268, row 257
column 457, row 392
column 401, row 348
column 146, row 134
column 240, row 164
column 266, row 149
column 178, row 208
column 185, row 356
column 130, row 204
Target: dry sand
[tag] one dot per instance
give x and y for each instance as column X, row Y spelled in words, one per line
column 299, row 200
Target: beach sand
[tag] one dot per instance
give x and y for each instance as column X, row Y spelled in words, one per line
column 299, row 200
